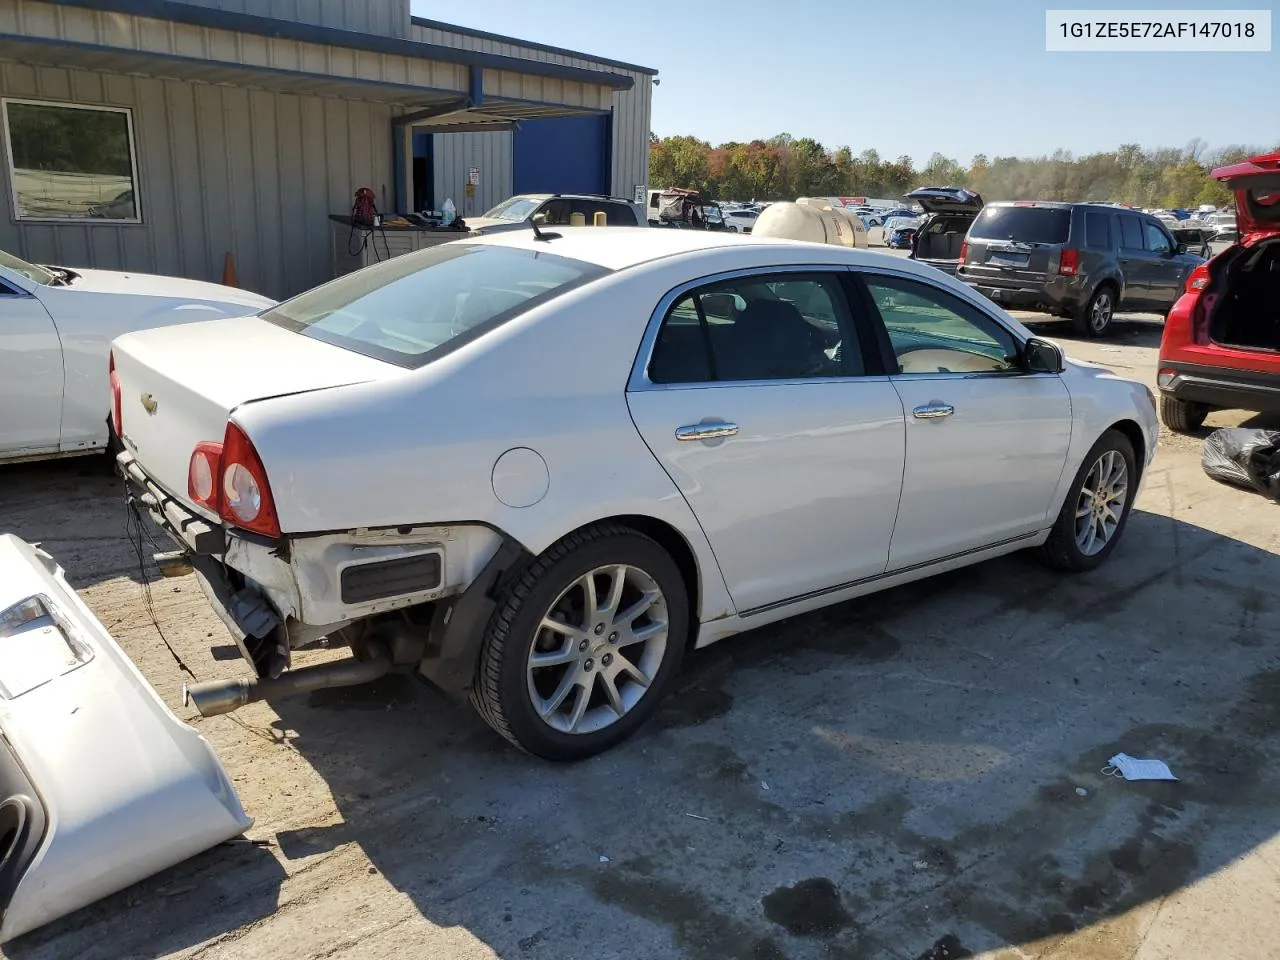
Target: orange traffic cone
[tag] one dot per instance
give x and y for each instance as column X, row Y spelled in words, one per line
column 229, row 278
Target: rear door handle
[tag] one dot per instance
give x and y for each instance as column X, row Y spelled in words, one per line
column 706, row 431
column 934, row 410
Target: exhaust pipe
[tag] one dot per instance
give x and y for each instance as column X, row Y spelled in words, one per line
column 223, row 696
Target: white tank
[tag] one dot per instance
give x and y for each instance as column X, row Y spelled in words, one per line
column 813, row 219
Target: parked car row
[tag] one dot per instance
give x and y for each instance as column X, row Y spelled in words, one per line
column 290, row 454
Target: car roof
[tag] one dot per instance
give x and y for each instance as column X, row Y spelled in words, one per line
column 617, row 248
column 570, row 196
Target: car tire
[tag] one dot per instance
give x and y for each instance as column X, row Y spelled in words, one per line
column 1069, row 548
column 1094, row 318
column 599, row 663
column 1182, row 416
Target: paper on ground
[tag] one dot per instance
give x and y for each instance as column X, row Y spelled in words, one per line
column 1132, row 768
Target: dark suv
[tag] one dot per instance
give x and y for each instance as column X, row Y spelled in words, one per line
column 1077, row 260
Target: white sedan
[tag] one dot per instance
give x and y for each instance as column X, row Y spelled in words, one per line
column 56, row 326
column 538, row 468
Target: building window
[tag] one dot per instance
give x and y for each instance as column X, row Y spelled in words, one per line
column 70, row 162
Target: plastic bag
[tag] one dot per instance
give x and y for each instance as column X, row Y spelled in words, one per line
column 1244, row 458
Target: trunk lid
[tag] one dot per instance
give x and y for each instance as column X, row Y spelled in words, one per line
column 1256, row 184
column 946, row 200
column 179, row 384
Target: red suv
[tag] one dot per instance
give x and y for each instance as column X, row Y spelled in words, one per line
column 1221, row 344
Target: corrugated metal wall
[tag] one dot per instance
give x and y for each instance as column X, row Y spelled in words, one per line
column 220, row 169
column 388, row 18
column 456, row 153
column 631, row 122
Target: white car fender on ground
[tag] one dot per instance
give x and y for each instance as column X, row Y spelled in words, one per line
column 100, row 784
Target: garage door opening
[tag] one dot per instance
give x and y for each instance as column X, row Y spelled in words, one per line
column 563, row 155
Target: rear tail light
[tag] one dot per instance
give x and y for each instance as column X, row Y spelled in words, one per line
column 202, row 475
column 228, row 478
column 117, row 416
column 964, row 251
column 1069, row 263
column 1199, row 279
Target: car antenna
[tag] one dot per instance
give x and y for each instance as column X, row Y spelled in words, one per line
column 539, row 235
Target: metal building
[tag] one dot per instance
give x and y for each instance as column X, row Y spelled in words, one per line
column 510, row 164
column 161, row 135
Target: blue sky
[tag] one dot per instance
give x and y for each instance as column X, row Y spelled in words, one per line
column 904, row 76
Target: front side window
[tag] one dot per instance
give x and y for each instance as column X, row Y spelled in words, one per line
column 770, row 327
column 554, row 213
column 411, row 309
column 71, row 163
column 933, row 332
column 1157, row 240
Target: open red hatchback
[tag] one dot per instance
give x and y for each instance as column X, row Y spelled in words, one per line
column 1221, row 344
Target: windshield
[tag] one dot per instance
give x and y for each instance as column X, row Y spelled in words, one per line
column 29, row 270
column 414, row 308
column 516, row 209
column 1022, row 224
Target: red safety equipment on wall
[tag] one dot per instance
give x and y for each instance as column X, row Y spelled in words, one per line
column 364, row 210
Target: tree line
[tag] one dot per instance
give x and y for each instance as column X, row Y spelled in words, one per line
column 783, row 167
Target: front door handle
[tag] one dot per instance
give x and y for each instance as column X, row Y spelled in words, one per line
column 706, row 431
column 933, row 410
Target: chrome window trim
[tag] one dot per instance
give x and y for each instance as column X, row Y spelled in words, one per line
column 639, row 380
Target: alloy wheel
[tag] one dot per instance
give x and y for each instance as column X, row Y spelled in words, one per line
column 598, row 648
column 1101, row 502
column 1100, row 315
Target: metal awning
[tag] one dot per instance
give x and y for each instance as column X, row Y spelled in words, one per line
column 62, row 54
column 495, row 113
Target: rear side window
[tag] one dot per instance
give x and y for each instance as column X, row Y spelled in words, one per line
column 615, row 214
column 768, row 327
column 1023, row 224
column 1131, row 233
column 411, row 309
column 1097, row 230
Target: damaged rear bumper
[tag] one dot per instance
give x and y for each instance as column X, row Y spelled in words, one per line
column 100, row 784
column 275, row 596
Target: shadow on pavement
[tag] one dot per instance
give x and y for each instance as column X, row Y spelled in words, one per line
column 912, row 772
column 205, row 898
column 65, row 505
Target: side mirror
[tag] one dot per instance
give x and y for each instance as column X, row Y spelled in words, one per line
column 1182, row 248
column 539, row 218
column 1041, row 356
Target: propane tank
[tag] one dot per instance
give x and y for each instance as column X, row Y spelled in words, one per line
column 813, row 219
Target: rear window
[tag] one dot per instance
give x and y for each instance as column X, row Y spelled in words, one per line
column 1097, row 230
column 1023, row 224
column 412, row 309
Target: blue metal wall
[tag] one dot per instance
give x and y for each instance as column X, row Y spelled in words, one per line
column 563, row 155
